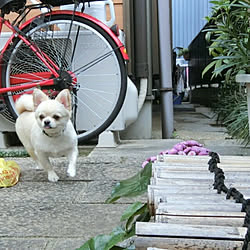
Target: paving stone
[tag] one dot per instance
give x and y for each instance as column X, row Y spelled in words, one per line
column 85, row 171
column 99, row 191
column 134, row 149
column 66, row 243
column 22, row 244
column 42, row 192
column 58, row 219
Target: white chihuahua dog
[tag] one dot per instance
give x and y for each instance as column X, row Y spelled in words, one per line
column 45, row 129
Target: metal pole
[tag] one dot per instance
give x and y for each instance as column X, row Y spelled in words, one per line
column 165, row 44
column 149, row 46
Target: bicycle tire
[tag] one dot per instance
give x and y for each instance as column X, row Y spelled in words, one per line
column 103, row 98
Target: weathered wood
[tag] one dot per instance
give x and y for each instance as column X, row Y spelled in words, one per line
column 200, row 217
column 191, row 231
column 200, row 182
column 157, row 196
column 189, row 190
column 163, row 173
column 194, row 213
column 204, row 159
column 142, row 243
column 198, row 167
column 188, row 211
column 177, row 181
column 234, row 207
column 185, row 189
column 199, row 220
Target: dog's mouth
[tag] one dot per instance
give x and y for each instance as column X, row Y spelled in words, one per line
column 47, row 126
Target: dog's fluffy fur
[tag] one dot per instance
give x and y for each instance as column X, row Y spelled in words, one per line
column 45, row 129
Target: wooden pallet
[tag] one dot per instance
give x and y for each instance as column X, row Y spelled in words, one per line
column 188, row 212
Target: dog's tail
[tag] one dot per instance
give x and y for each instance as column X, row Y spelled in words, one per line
column 24, row 103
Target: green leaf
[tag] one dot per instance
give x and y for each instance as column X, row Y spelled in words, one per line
column 248, row 43
column 135, row 209
column 224, row 66
column 133, row 186
column 208, row 67
column 105, row 242
column 131, row 210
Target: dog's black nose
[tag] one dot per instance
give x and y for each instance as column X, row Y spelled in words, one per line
column 46, row 123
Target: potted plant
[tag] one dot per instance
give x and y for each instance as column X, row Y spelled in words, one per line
column 185, row 53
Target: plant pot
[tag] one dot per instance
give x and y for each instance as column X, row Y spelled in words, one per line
column 186, row 56
column 245, row 78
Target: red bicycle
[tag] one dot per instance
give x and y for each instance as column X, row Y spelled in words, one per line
column 63, row 49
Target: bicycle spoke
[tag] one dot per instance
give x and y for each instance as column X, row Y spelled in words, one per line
column 89, row 108
column 87, row 54
column 94, row 62
column 98, row 94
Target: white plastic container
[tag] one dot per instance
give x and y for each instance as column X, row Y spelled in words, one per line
column 97, row 9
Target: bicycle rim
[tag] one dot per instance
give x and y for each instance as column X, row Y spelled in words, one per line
column 100, row 75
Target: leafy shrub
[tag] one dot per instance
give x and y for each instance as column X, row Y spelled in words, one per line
column 229, row 36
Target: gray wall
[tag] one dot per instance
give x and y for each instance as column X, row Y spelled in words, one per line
column 188, row 20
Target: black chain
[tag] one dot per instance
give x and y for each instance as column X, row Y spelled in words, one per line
column 219, row 184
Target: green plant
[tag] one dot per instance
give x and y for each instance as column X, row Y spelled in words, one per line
column 131, row 187
column 232, row 112
column 182, row 52
column 229, row 34
column 229, row 37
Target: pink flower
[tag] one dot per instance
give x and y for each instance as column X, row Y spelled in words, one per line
column 165, row 152
column 144, row 164
column 150, row 159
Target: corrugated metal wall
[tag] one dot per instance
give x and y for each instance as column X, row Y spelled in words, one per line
column 188, row 20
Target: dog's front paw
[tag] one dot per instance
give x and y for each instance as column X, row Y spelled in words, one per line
column 71, row 171
column 52, row 176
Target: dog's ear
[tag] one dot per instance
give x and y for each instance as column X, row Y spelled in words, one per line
column 38, row 97
column 65, row 99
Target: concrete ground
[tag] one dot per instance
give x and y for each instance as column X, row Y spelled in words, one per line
column 36, row 214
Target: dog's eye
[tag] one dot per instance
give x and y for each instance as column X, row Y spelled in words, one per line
column 41, row 117
column 56, row 117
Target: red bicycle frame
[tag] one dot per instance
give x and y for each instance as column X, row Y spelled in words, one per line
column 43, row 57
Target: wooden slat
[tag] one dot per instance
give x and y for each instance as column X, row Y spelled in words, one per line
column 219, row 218
column 204, row 159
column 233, row 207
column 193, row 213
column 185, row 189
column 198, row 167
column 191, row 231
column 188, row 190
column 177, row 199
column 142, row 243
column 182, row 200
column 163, row 173
column 201, row 182
column 215, row 221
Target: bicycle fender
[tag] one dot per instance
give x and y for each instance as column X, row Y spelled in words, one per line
column 119, row 44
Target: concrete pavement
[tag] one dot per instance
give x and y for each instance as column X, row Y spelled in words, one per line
column 36, row 214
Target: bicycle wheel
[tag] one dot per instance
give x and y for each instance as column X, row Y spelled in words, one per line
column 100, row 80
